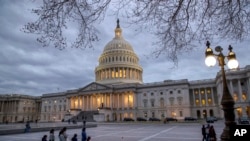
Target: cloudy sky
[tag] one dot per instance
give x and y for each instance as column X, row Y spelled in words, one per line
column 28, row 68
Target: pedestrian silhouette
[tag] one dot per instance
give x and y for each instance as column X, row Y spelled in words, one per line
column 84, row 135
column 51, row 135
column 203, row 131
column 89, row 138
column 44, row 138
column 74, row 138
column 212, row 134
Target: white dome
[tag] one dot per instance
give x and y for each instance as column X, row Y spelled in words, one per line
column 118, row 44
column 118, row 63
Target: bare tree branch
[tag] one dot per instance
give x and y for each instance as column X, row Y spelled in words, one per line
column 176, row 24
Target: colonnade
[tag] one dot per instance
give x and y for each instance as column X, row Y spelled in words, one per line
column 119, row 72
column 239, row 94
column 9, row 106
column 103, row 100
column 203, row 97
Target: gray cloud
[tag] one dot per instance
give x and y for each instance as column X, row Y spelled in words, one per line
column 28, row 68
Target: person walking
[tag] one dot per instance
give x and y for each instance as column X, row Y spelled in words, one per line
column 51, row 135
column 89, row 138
column 203, row 131
column 74, row 138
column 44, row 138
column 207, row 132
column 62, row 134
column 212, row 134
column 84, row 135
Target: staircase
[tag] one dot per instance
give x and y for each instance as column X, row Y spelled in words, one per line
column 88, row 115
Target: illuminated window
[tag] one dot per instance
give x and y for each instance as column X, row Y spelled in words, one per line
column 124, row 74
column 173, row 114
column 116, row 74
column 244, row 96
column 209, row 101
column 113, row 74
column 120, row 73
column 235, row 97
column 196, row 92
column 197, row 102
column 208, row 91
column 203, row 102
column 202, row 91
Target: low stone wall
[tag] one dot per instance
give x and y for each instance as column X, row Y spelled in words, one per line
column 40, row 129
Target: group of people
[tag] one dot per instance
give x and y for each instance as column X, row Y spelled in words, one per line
column 208, row 133
column 63, row 135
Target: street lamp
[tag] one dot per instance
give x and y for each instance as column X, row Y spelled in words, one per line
column 227, row 101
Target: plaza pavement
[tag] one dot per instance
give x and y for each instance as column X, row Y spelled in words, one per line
column 126, row 131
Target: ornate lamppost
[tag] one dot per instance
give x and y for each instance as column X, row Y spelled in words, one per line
column 227, row 101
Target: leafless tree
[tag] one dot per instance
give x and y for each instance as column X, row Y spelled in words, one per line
column 177, row 24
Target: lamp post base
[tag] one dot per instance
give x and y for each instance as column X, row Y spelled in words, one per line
column 228, row 108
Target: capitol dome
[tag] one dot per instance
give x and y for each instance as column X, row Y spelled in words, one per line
column 118, row 63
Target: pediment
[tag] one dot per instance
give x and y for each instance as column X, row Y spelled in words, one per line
column 94, row 87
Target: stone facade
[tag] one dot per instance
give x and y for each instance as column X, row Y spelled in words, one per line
column 19, row 108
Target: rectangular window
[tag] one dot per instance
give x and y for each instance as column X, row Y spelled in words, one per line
column 145, row 103
column 181, row 114
column 152, row 103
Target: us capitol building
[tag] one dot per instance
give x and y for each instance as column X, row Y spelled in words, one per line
column 118, row 92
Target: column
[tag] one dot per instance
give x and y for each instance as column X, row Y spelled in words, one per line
column 14, row 108
column 83, row 103
column 212, row 94
column 78, row 102
column 194, row 101
column 69, row 103
column 126, row 71
column 205, row 93
column 231, row 89
column 91, row 106
column 87, row 102
column 134, row 101
column 199, row 98
column 122, row 101
column 248, row 89
column 111, row 101
column 239, row 91
column 109, row 76
column 105, row 100
column 118, row 95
